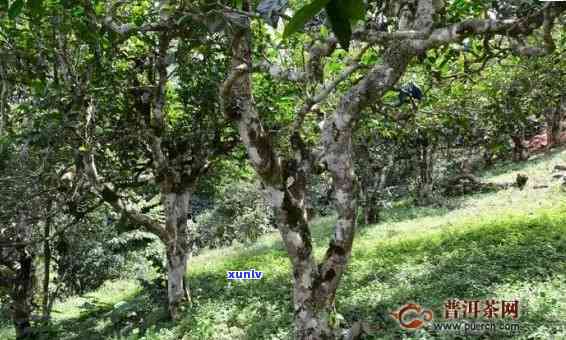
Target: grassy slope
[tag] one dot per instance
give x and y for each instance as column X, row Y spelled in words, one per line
column 505, row 245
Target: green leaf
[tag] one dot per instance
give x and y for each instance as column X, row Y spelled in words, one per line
column 239, row 4
column 340, row 23
column 36, row 6
column 355, row 9
column 303, row 15
column 15, row 9
column 3, row 5
column 38, row 87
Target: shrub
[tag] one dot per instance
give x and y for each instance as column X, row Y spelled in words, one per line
column 240, row 213
column 87, row 255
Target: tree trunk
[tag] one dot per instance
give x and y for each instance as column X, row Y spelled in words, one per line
column 366, row 198
column 4, row 91
column 554, row 126
column 177, row 291
column 372, row 189
column 371, row 211
column 177, row 210
column 368, row 171
column 313, row 291
column 176, row 187
column 520, row 151
column 487, row 158
column 426, row 170
column 46, row 266
column 369, row 197
column 22, row 296
column 312, row 322
column 22, row 290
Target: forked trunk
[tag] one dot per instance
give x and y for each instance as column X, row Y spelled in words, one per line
column 313, row 291
column 315, row 283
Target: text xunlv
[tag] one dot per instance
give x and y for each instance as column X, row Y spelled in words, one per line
column 251, row 274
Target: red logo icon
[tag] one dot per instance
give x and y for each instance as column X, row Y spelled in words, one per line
column 412, row 316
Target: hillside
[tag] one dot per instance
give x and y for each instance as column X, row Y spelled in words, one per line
column 506, row 245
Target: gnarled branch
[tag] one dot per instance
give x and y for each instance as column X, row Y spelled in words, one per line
column 108, row 194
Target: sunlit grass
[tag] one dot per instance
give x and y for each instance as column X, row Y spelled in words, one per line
column 110, row 293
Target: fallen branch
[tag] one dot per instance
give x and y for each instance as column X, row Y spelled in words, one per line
column 468, row 183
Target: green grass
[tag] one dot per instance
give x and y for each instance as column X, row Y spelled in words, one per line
column 509, row 244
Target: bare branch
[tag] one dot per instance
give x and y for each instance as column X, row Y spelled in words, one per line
column 126, row 30
column 228, row 9
column 317, row 52
column 278, row 72
column 158, row 112
column 328, row 88
column 108, row 21
column 512, row 28
column 519, row 47
column 377, row 37
column 54, row 235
